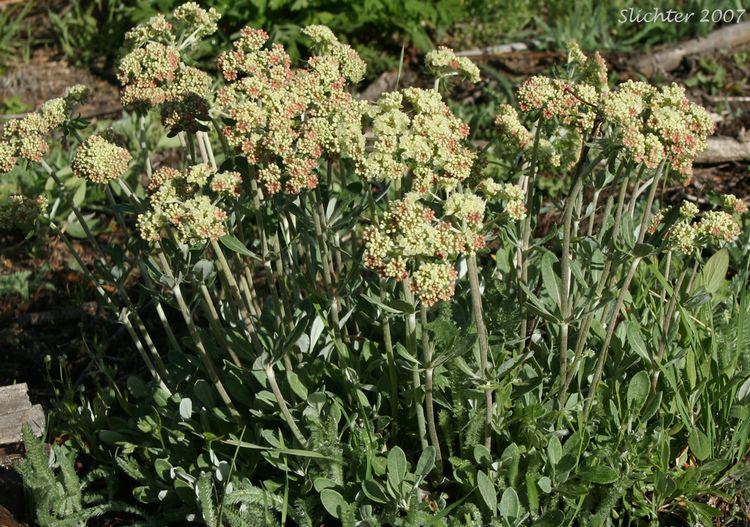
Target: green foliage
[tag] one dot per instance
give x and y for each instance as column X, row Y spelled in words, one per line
column 59, row 497
column 279, row 381
column 14, row 34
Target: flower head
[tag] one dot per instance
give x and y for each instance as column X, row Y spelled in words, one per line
column 100, row 161
column 415, row 132
column 734, row 205
column 434, row 282
column 719, row 225
column 443, row 62
column 20, row 212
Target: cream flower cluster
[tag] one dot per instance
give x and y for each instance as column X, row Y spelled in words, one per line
column 181, row 203
column 285, row 119
column 571, row 103
column 434, row 281
column 511, row 194
column 734, row 205
column 592, row 70
column 20, row 212
column 652, row 125
column 99, row 160
column 411, row 240
column 26, row 137
column 153, row 73
column 520, row 138
column 443, row 62
column 688, row 236
column 656, row 125
column 416, row 133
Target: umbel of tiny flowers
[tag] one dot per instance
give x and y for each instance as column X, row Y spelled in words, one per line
column 650, row 124
column 285, row 119
column 515, row 134
column 714, row 226
column 154, row 74
column 26, row 137
column 657, row 124
column 181, row 204
column 733, row 204
column 19, row 212
column 511, row 194
column 99, row 160
column 415, row 133
column 411, row 241
column 443, row 62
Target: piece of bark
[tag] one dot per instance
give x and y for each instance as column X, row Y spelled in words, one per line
column 723, row 150
column 386, row 82
column 724, row 39
column 16, row 410
column 7, row 519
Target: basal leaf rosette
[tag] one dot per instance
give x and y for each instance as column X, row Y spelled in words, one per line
column 26, row 137
column 415, row 134
column 693, row 230
column 187, row 206
column 284, row 120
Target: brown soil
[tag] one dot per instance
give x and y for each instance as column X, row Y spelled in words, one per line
column 47, row 75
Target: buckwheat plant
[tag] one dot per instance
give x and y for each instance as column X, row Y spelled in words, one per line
column 316, row 272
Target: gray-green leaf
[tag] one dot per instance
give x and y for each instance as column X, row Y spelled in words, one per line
column 487, row 490
column 332, row 501
column 638, row 391
column 426, row 461
column 510, row 507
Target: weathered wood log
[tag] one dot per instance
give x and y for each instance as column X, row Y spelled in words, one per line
column 7, row 519
column 493, row 51
column 16, row 410
column 723, row 150
column 725, row 39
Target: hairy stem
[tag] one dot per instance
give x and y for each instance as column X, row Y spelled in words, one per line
column 411, row 343
column 484, row 345
column 428, row 386
column 271, row 375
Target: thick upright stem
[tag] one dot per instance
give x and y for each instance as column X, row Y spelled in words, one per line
column 565, row 289
column 187, row 316
column 565, row 261
column 526, row 232
column 327, row 271
column 621, row 297
column 391, row 360
column 484, row 345
column 282, row 405
column 588, row 319
column 428, row 386
column 667, row 324
column 411, row 342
